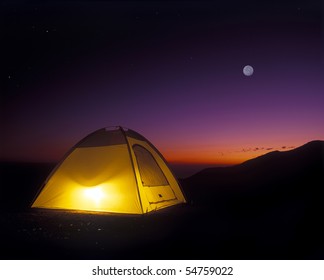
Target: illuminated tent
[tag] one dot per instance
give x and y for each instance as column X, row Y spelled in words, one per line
column 111, row 170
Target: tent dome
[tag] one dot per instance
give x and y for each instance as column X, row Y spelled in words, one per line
column 113, row 170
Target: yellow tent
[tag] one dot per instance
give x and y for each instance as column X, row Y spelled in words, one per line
column 112, row 170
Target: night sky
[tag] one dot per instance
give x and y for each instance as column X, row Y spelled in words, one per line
column 172, row 71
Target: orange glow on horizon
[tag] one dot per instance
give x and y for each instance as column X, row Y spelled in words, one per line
column 208, row 160
column 219, row 157
column 227, row 149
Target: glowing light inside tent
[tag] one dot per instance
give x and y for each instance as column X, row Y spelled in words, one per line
column 96, row 194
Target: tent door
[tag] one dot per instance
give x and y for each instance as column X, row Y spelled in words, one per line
column 153, row 180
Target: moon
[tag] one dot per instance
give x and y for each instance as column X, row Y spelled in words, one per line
column 248, row 70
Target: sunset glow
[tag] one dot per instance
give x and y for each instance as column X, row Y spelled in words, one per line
column 174, row 76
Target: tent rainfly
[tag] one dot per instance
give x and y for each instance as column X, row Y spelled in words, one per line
column 113, row 170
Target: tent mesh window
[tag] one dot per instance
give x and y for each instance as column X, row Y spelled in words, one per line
column 151, row 173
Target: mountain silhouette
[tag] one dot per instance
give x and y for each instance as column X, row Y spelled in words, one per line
column 304, row 162
column 274, row 202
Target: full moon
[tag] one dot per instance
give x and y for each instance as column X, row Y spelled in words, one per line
column 248, row 70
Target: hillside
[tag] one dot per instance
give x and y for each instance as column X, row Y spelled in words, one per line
column 273, row 202
column 297, row 165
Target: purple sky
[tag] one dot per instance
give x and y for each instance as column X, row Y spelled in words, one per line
column 171, row 71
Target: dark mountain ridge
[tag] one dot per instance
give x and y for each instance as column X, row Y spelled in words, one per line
column 294, row 165
column 309, row 153
column 270, row 203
